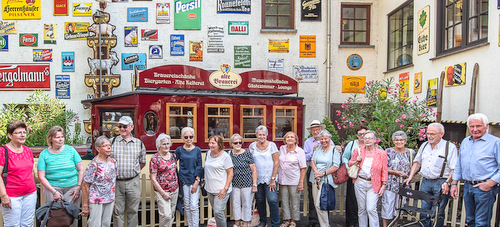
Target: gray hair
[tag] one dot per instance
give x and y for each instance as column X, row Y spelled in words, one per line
column 234, row 137
column 187, row 129
column 101, row 140
column 372, row 132
column 438, row 125
column 478, row 116
column 261, row 128
column 324, row 132
column 162, row 137
column 399, row 134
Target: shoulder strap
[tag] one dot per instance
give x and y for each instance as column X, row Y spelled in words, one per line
column 113, row 141
column 445, row 159
column 5, row 166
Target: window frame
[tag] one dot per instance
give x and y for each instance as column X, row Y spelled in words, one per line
column 230, row 116
column 242, row 133
column 368, row 24
column 406, row 54
column 182, row 105
column 275, row 117
column 291, row 15
column 441, row 28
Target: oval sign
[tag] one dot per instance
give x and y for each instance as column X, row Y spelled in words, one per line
column 27, row 39
column 221, row 80
column 192, row 16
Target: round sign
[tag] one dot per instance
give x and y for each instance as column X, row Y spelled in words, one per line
column 354, row 62
column 3, row 42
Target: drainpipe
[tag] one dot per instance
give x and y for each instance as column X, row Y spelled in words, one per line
column 328, row 54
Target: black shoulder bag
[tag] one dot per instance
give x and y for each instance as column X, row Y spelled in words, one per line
column 5, row 166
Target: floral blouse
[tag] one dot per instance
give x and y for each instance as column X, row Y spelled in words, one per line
column 165, row 170
column 397, row 162
column 102, row 179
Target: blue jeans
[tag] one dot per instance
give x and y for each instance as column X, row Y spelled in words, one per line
column 262, row 194
column 479, row 205
column 433, row 187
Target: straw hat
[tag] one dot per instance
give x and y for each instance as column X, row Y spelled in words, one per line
column 316, row 123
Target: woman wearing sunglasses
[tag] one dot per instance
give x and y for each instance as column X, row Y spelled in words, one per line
column 244, row 182
column 190, row 169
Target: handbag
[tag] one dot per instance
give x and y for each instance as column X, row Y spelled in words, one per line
column 327, row 197
column 354, row 169
column 202, row 187
column 59, row 217
column 255, row 221
column 340, row 176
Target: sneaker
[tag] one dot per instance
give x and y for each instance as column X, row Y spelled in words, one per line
column 262, row 224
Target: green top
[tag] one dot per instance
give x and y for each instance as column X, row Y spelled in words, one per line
column 60, row 169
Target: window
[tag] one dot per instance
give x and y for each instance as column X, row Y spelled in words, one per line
column 461, row 19
column 108, row 120
column 400, row 47
column 178, row 117
column 277, row 14
column 251, row 118
column 218, row 120
column 285, row 120
column 355, row 27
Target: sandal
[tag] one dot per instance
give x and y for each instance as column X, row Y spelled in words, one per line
column 285, row 224
column 292, row 224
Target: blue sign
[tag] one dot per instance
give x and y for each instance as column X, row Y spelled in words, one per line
column 68, row 61
column 137, row 14
column 62, row 87
column 177, row 45
column 131, row 60
column 4, row 43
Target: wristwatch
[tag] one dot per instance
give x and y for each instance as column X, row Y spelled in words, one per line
column 273, row 178
column 198, row 179
column 254, row 185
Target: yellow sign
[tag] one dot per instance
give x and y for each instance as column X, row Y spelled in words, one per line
column 49, row 33
column 21, row 9
column 353, row 84
column 76, row 30
column 8, row 27
column 82, row 9
column 225, row 78
column 417, row 83
column 307, row 46
column 279, row 45
column 455, row 75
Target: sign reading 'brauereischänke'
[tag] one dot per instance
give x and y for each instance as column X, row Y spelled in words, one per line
column 24, row 76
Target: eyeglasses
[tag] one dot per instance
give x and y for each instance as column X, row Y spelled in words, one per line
column 188, row 137
column 431, row 134
column 122, row 126
column 369, row 138
column 399, row 140
column 239, row 142
column 19, row 133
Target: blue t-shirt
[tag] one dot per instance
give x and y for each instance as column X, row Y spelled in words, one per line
column 189, row 164
column 60, row 169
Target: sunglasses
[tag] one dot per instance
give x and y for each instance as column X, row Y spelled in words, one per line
column 237, row 142
column 188, row 137
column 361, row 134
column 122, row 126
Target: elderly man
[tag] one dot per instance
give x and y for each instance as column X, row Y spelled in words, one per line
column 436, row 160
column 309, row 147
column 130, row 155
column 479, row 166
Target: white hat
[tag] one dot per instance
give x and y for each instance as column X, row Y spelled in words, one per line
column 316, row 123
column 126, row 120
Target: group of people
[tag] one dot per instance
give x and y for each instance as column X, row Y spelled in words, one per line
column 107, row 187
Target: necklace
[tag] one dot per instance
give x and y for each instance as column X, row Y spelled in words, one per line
column 16, row 149
column 215, row 156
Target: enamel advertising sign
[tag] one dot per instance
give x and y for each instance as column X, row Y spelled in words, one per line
column 4, row 43
column 28, row 39
column 8, row 27
column 20, row 76
column 137, row 14
column 163, row 13
column 42, row 54
column 82, row 9
column 60, row 7
column 187, row 14
column 21, row 9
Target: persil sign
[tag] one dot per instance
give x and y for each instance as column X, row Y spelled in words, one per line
column 24, row 76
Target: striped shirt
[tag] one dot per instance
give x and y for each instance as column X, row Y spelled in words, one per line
column 129, row 156
column 60, row 169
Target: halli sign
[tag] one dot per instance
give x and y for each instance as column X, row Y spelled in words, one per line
column 21, row 76
column 238, row 27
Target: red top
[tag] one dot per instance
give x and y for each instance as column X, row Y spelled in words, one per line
column 20, row 181
column 378, row 171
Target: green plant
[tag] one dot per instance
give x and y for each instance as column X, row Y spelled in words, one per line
column 385, row 113
column 40, row 114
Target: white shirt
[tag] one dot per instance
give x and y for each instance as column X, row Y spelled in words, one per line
column 366, row 168
column 431, row 160
column 264, row 162
column 215, row 172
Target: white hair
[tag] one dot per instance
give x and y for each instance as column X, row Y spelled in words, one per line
column 437, row 125
column 187, row 129
column 234, row 137
column 478, row 116
column 261, row 128
column 162, row 137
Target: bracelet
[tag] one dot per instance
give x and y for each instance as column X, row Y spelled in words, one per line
column 54, row 192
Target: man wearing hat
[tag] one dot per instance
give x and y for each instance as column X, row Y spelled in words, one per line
column 130, row 155
column 309, row 146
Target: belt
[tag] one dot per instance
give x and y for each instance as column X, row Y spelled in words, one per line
column 126, row 179
column 366, row 179
column 475, row 182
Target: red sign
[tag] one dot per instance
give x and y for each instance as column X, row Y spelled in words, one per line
column 61, row 7
column 28, row 39
column 188, row 77
column 24, row 76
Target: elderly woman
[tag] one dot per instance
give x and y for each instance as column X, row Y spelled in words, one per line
column 190, row 172
column 163, row 175
column 218, row 175
column 351, row 205
column 398, row 163
column 324, row 162
column 292, row 169
column 98, row 186
column 18, row 195
column 244, row 181
column 266, row 157
column 372, row 178
column 60, row 169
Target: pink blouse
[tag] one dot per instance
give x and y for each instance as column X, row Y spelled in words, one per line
column 378, row 171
